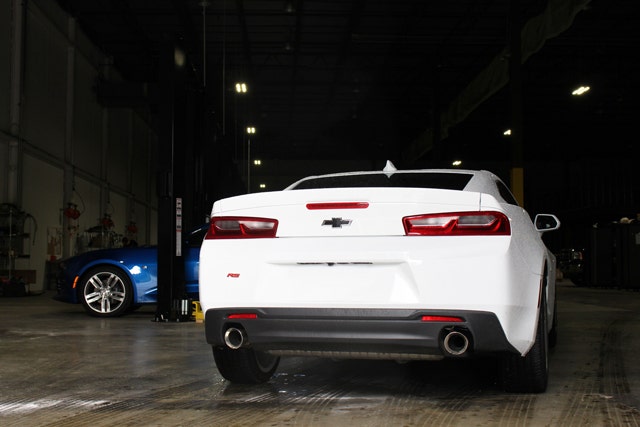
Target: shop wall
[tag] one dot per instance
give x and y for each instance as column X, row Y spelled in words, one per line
column 64, row 139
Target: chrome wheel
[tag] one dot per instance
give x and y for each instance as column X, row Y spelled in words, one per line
column 106, row 292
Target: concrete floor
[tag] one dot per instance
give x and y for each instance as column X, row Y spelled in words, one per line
column 59, row 367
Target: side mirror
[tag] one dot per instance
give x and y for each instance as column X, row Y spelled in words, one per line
column 546, row 222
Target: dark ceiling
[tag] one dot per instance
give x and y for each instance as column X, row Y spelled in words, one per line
column 418, row 82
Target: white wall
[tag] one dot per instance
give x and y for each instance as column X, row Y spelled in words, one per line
column 66, row 139
column 42, row 182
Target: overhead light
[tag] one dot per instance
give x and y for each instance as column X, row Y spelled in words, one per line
column 257, row 162
column 289, row 7
column 241, row 87
column 179, row 57
column 580, row 91
column 456, row 163
column 263, row 186
column 507, row 132
column 251, row 130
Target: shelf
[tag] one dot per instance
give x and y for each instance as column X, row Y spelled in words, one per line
column 14, row 242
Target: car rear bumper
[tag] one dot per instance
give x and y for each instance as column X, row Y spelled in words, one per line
column 357, row 333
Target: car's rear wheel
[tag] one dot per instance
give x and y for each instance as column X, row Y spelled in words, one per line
column 106, row 291
column 245, row 365
column 529, row 374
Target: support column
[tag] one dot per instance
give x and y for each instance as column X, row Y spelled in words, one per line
column 15, row 145
column 67, row 192
column 515, row 82
column 170, row 180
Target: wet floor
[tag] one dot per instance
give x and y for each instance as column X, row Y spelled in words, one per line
column 59, row 367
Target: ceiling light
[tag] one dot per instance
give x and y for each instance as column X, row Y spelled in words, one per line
column 289, row 7
column 251, row 130
column 241, row 87
column 456, row 163
column 581, row 90
column 179, row 57
column 507, row 132
column 257, row 162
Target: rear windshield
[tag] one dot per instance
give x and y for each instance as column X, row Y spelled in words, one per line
column 447, row 181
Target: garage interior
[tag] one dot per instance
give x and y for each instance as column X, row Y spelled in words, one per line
column 117, row 112
column 116, row 109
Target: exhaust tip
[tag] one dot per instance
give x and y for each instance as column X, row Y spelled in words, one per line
column 456, row 343
column 235, row 338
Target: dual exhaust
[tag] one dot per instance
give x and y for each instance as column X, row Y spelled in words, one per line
column 235, row 338
column 455, row 341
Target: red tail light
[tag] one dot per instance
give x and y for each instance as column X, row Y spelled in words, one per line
column 234, row 227
column 477, row 223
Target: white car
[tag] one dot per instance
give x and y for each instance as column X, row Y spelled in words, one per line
column 393, row 264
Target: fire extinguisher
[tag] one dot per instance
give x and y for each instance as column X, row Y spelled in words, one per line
column 71, row 211
column 106, row 221
column 132, row 228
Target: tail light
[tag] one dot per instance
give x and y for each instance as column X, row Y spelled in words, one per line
column 234, row 227
column 477, row 223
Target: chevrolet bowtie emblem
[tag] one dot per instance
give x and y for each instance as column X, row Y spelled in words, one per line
column 336, row 222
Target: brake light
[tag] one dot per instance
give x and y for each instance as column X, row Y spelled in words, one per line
column 477, row 223
column 337, row 205
column 234, row 227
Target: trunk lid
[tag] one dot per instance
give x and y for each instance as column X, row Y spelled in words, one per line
column 381, row 217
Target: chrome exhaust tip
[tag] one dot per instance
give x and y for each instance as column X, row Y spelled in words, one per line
column 455, row 343
column 235, row 338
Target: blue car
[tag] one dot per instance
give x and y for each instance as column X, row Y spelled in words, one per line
column 111, row 282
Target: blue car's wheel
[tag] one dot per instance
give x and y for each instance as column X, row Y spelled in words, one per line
column 106, row 292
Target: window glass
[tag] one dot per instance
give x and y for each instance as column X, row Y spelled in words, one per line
column 447, row 181
column 506, row 193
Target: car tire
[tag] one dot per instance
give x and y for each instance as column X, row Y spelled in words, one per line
column 245, row 365
column 106, row 291
column 134, row 307
column 529, row 373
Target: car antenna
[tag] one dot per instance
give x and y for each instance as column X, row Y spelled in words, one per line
column 389, row 168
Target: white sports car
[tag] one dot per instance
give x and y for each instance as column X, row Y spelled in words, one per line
column 392, row 264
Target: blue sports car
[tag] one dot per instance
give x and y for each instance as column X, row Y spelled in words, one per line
column 110, row 282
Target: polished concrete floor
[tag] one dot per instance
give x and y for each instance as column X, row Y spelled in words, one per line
column 59, row 367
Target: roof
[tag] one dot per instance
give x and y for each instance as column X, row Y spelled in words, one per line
column 406, row 80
